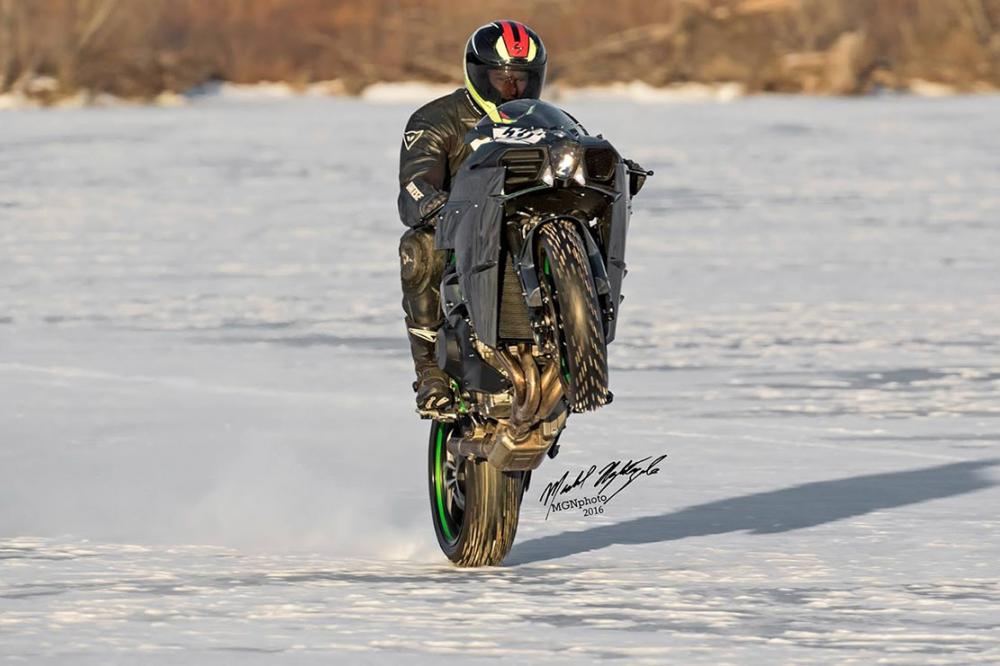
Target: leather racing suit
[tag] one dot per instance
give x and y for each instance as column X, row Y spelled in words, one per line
column 432, row 151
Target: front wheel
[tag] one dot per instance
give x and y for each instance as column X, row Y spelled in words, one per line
column 474, row 506
column 576, row 315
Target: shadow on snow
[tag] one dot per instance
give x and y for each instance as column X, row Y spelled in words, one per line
column 776, row 511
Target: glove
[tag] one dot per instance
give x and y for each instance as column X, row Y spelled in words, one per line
column 430, row 206
column 419, row 203
column 636, row 176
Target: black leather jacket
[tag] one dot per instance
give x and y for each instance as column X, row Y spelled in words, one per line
column 432, row 150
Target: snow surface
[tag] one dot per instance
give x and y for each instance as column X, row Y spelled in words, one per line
column 208, row 453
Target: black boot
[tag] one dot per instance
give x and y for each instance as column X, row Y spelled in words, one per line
column 433, row 386
column 421, row 267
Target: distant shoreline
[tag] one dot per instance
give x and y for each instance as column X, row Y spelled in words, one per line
column 76, row 53
column 414, row 92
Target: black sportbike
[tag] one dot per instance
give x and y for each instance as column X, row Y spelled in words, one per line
column 535, row 231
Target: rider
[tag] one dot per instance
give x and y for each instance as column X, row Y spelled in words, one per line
column 504, row 61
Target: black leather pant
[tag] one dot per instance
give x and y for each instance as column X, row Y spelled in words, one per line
column 420, row 270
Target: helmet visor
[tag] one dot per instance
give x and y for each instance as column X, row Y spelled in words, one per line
column 504, row 84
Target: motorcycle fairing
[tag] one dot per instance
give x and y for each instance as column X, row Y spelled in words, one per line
column 620, row 210
column 470, row 224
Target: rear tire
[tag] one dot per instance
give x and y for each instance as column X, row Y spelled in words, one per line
column 575, row 309
column 474, row 506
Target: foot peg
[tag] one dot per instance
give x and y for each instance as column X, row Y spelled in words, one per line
column 437, row 415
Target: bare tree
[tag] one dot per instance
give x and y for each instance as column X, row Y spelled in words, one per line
column 139, row 47
column 7, row 57
column 93, row 16
column 87, row 23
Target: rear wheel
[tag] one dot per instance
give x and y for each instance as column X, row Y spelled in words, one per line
column 576, row 313
column 474, row 506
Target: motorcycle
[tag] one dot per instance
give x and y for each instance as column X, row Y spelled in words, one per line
column 534, row 233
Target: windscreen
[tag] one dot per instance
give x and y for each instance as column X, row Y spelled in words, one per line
column 533, row 113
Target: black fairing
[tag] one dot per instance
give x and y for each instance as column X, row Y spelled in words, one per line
column 531, row 113
column 457, row 356
column 472, row 222
column 621, row 209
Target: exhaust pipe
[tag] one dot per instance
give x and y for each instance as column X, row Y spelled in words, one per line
column 534, row 396
column 514, row 445
column 464, row 447
column 527, row 411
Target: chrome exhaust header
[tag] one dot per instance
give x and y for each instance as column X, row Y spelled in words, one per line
column 518, row 443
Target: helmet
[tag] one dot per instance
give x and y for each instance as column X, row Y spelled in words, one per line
column 504, row 60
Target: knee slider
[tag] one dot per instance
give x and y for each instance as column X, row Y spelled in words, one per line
column 416, row 258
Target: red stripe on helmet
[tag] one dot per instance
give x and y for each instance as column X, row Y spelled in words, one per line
column 525, row 40
column 516, row 42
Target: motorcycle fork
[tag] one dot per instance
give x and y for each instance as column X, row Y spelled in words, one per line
column 520, row 244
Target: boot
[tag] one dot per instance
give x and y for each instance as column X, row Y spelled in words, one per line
column 421, row 267
column 433, row 386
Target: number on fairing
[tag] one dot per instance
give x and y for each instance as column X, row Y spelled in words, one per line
column 517, row 134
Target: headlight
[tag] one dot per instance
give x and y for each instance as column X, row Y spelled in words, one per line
column 565, row 158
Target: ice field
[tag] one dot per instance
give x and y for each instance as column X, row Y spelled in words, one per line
column 208, row 452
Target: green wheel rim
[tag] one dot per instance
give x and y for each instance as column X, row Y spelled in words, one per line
column 439, row 483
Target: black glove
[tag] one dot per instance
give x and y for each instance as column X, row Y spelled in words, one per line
column 419, row 203
column 430, row 206
column 636, row 176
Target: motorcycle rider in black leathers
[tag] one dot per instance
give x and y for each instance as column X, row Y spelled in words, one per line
column 504, row 60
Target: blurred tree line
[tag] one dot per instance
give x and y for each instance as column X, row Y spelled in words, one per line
column 138, row 48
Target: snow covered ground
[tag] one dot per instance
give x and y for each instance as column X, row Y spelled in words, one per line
column 208, row 453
